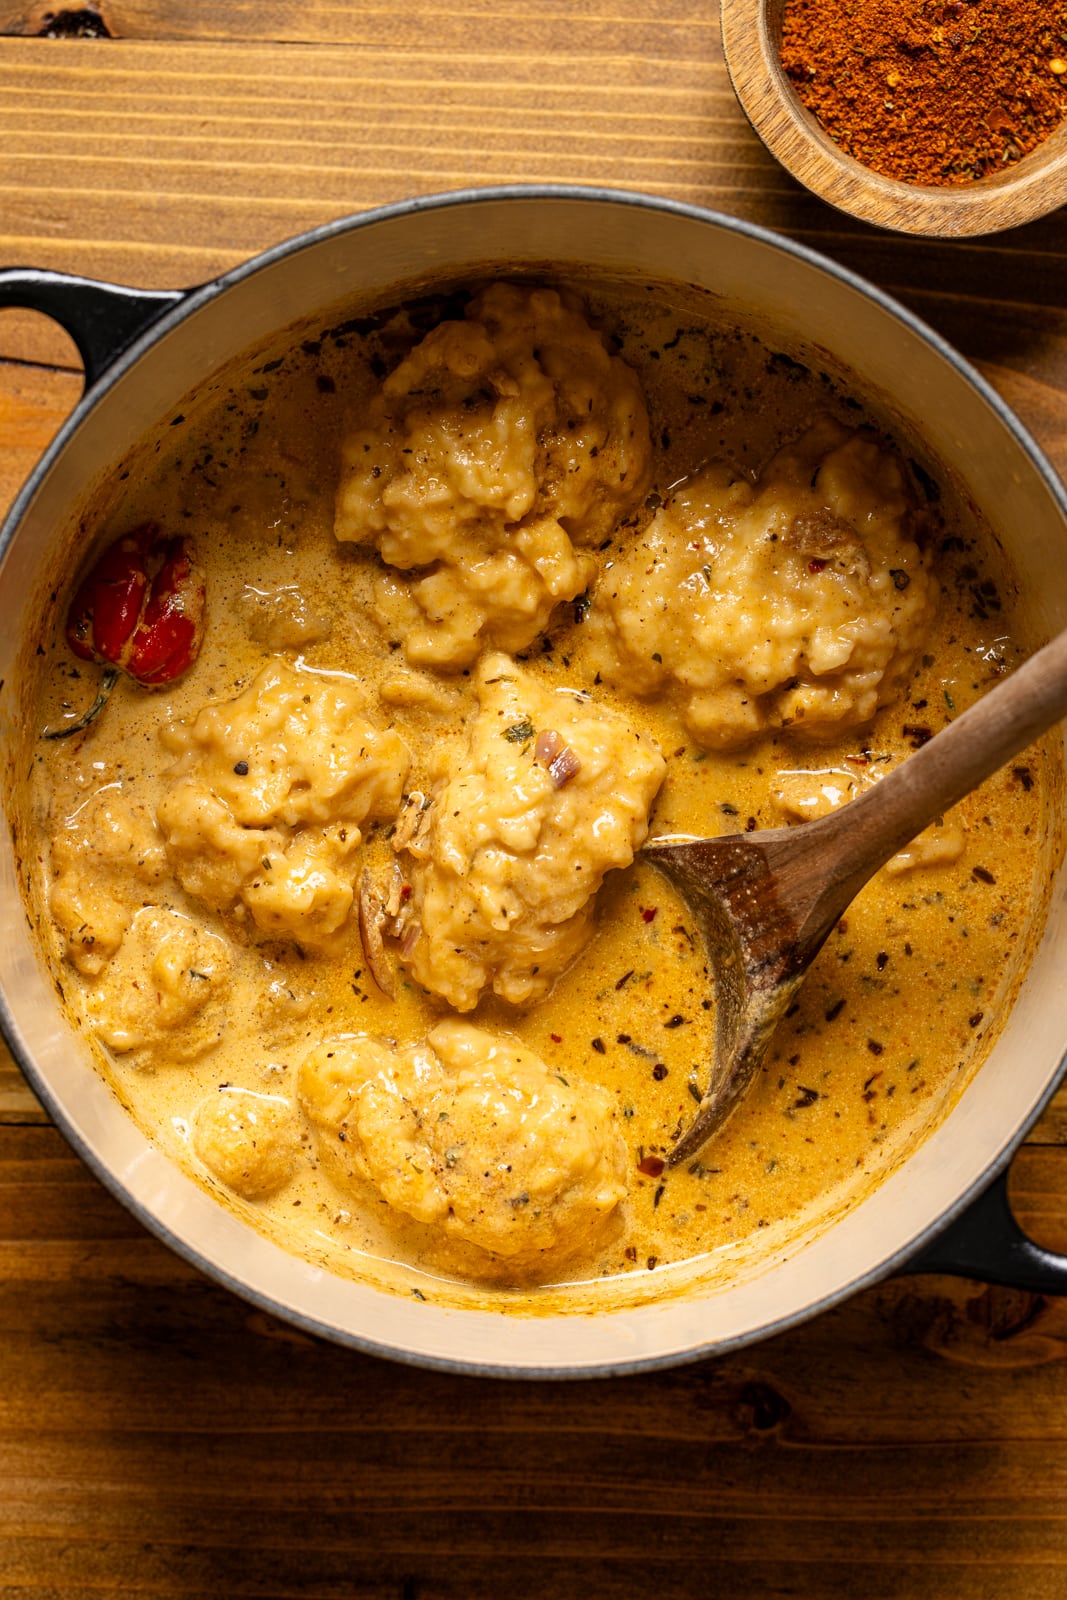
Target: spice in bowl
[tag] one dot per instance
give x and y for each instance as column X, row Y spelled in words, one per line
column 930, row 91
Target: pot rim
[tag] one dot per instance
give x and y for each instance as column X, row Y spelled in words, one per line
column 170, row 319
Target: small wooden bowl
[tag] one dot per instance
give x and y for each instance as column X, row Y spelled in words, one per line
column 1030, row 188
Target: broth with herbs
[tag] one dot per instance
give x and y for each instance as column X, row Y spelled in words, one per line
column 496, row 586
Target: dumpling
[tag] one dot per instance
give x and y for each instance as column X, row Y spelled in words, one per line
column 553, row 792
column 162, row 997
column 474, row 1137
column 106, row 859
column 498, row 445
column 249, row 1141
column 797, row 602
column 265, row 804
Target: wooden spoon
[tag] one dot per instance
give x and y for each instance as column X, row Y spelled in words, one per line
column 767, row 900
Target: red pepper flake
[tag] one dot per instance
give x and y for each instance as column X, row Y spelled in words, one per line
column 928, row 93
column 874, row 1047
column 817, row 564
column 1024, row 776
column 806, row 1098
column 917, row 736
column 651, row 1166
column 983, row 875
column 599, row 1046
column 557, row 1038
column 976, row 1018
column 648, row 913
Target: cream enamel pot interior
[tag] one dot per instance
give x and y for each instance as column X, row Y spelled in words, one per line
column 945, row 1207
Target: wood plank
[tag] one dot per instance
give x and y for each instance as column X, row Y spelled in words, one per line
column 300, row 138
column 1052, row 1128
column 34, row 402
column 218, row 154
column 29, row 338
column 500, row 25
column 161, row 1438
column 318, row 1574
column 133, row 1459
column 18, row 1103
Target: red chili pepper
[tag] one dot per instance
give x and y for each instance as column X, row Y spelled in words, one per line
column 141, row 608
column 140, row 611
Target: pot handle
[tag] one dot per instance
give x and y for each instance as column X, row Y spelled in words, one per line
column 986, row 1242
column 103, row 319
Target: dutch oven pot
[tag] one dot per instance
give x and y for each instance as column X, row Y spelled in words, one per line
column 945, row 1207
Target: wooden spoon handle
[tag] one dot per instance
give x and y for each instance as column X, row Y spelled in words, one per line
column 979, row 741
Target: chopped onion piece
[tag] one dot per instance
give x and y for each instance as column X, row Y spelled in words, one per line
column 413, row 820
column 371, row 917
column 548, row 747
column 395, row 897
column 564, row 767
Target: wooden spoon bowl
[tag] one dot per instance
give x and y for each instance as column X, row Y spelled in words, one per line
column 765, row 901
column 1030, row 188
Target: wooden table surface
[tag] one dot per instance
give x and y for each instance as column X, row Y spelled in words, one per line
column 158, row 1437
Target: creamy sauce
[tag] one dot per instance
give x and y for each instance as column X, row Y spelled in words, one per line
column 901, row 1005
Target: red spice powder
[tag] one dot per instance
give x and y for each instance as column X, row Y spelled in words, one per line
column 930, row 91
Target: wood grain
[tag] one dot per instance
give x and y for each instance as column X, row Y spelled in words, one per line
column 158, row 1437
column 499, row 26
column 170, row 1441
